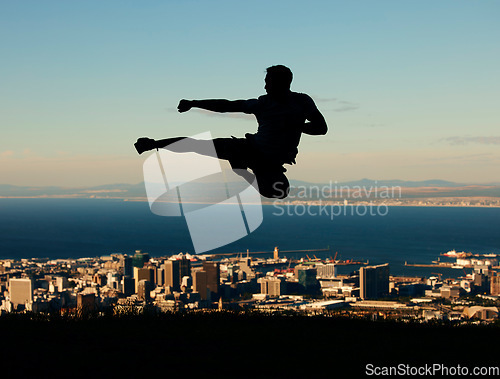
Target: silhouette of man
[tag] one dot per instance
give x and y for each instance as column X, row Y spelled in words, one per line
column 281, row 115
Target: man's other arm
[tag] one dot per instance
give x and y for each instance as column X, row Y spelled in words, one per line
column 316, row 125
column 215, row 105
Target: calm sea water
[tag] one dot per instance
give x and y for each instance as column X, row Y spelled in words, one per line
column 63, row 228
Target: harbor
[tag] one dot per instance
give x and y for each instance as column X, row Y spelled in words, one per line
column 279, row 258
column 462, row 260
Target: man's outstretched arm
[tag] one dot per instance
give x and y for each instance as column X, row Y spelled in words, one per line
column 216, row 105
column 316, row 125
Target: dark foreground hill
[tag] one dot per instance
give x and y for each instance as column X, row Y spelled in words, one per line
column 233, row 346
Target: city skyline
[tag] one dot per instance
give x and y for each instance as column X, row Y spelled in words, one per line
column 408, row 90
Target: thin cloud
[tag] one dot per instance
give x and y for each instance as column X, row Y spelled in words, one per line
column 468, row 157
column 6, row 153
column 346, row 108
column 461, row 141
column 342, row 105
column 25, row 153
column 323, row 99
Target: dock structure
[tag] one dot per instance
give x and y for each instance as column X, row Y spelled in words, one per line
column 441, row 264
column 304, row 252
column 249, row 253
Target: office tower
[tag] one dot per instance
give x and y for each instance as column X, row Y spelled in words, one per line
column 374, row 281
column 495, row 283
column 61, row 283
column 307, row 279
column 144, row 290
column 139, row 259
column 154, row 271
column 21, row 291
column 142, row 274
column 272, row 286
column 447, row 291
column 100, row 279
column 128, row 285
column 184, row 267
column 85, row 303
column 171, row 270
column 127, row 264
column 186, row 283
column 326, row 271
column 213, row 275
column 113, row 280
column 160, row 277
column 481, row 281
column 200, row 283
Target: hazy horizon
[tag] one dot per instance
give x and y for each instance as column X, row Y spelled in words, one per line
column 293, row 181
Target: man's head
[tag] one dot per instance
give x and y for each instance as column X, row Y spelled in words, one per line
column 278, row 80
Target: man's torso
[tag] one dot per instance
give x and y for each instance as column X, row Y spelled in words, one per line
column 280, row 123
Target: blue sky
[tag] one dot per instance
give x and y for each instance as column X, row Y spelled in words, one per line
column 409, row 89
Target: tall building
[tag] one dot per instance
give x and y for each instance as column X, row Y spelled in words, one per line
column 186, row 283
column 154, row 270
column 495, row 283
column 126, row 263
column 143, row 274
column 184, row 267
column 171, row 271
column 160, row 277
column 481, row 281
column 21, row 291
column 272, row 286
column 128, row 285
column 374, row 281
column 139, row 259
column 86, row 303
column 113, row 280
column 326, row 271
column 144, row 290
column 213, row 275
column 60, row 283
column 307, row 279
column 200, row 283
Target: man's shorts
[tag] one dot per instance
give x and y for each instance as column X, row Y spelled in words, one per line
column 269, row 171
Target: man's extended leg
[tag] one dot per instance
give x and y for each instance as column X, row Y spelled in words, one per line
column 189, row 145
column 271, row 179
column 234, row 150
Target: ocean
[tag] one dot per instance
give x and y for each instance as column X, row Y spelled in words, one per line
column 74, row 228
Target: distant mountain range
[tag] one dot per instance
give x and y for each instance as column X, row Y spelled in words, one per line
column 111, row 190
column 425, row 188
column 390, row 183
